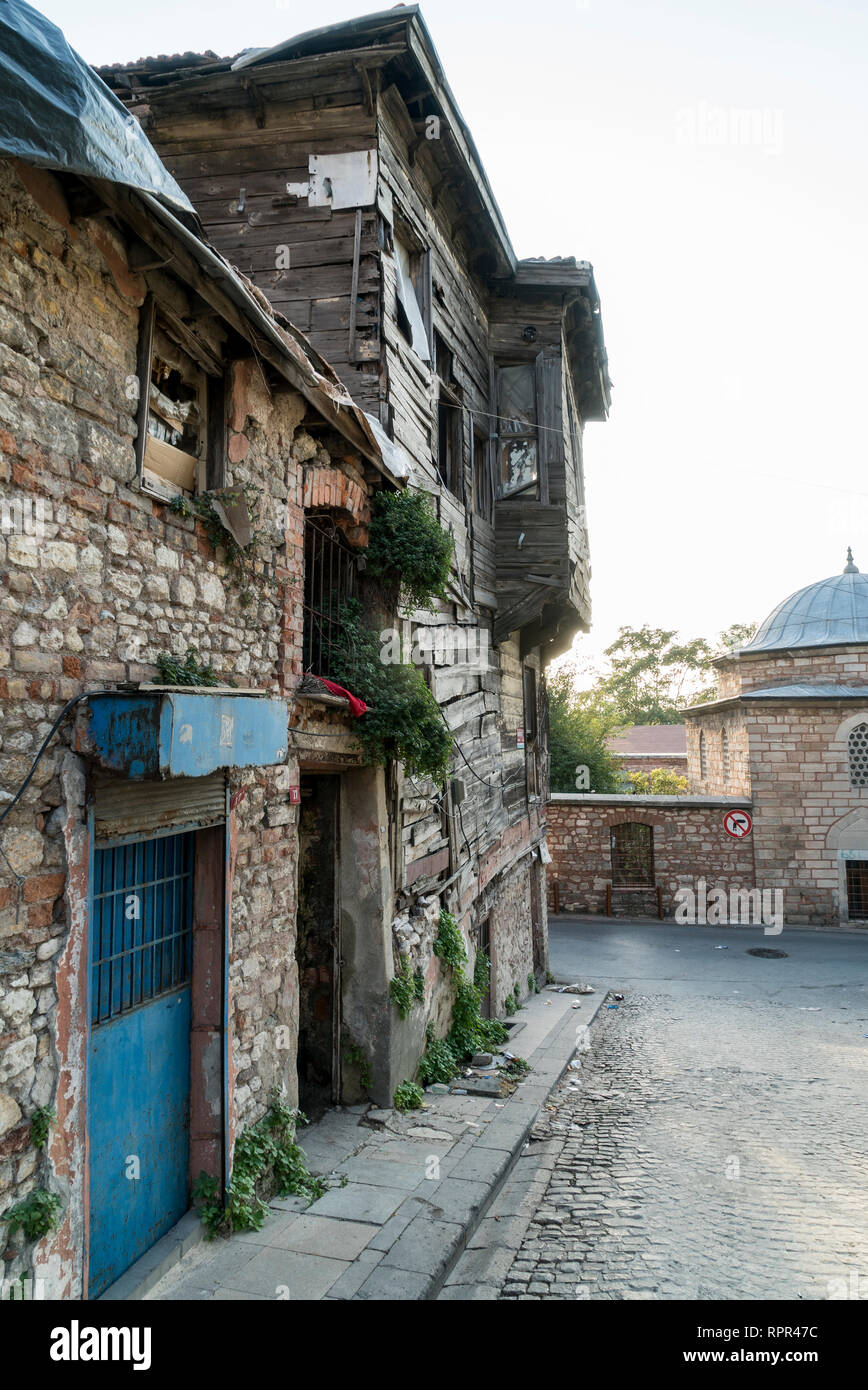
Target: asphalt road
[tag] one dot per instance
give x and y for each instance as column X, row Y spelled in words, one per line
column 821, row 969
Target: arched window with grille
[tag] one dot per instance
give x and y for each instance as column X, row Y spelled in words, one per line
column 632, row 855
column 858, row 749
column 703, row 757
column 724, row 755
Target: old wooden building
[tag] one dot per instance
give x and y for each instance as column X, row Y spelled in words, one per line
column 337, row 173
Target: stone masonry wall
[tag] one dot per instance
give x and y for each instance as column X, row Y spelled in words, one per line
column 689, row 843
column 803, row 801
column 103, row 580
column 718, row 781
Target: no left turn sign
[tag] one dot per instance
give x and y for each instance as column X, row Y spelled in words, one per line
column 737, row 824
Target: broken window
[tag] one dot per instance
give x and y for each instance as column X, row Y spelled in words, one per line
column 181, row 447
column 483, row 493
column 411, row 270
column 518, row 444
column 329, row 582
column 450, row 452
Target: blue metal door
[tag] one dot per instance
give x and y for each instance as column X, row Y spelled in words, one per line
column 139, row 1055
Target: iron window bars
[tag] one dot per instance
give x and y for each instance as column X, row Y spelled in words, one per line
column 329, row 581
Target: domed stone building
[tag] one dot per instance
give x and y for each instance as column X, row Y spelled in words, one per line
column 789, row 731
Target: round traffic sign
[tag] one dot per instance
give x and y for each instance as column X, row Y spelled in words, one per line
column 737, row 824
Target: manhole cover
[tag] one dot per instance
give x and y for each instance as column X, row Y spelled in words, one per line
column 767, row 954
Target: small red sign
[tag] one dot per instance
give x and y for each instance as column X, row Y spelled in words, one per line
column 738, row 824
column 294, row 796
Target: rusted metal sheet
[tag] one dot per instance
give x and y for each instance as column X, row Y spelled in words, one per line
column 124, row 808
column 177, row 733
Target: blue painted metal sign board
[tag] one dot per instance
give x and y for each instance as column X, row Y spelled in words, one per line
column 145, row 734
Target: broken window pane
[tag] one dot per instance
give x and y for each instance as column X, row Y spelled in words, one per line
column 518, row 399
column 517, row 409
column 518, row 464
column 412, row 324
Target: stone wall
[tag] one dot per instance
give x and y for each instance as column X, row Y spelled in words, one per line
column 719, row 779
column 805, row 803
column 689, row 843
column 96, row 579
column 753, row 671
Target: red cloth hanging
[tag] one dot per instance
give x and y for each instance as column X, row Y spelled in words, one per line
column 357, row 706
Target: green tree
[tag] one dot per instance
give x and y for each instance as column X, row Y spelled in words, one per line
column 652, row 674
column 660, row 781
column 577, row 738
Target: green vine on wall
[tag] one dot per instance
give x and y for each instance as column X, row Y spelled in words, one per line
column 41, row 1121
column 469, row 1031
column 238, row 557
column 408, row 553
column 356, row 1056
column 449, row 943
column 407, row 988
column 404, row 720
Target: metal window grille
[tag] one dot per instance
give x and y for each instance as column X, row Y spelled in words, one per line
column 703, row 761
column 857, row 889
column 858, row 748
column 142, row 923
column 633, row 856
column 724, row 753
column 329, row 581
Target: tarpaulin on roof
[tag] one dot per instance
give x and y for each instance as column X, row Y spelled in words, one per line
column 56, row 113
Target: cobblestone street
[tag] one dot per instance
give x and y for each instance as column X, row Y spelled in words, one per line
column 710, row 1148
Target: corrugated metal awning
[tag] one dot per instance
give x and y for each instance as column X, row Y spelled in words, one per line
column 122, row 807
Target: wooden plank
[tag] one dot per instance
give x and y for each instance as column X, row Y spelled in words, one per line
column 164, row 460
column 354, row 287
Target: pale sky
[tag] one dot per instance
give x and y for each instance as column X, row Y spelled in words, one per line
column 708, row 157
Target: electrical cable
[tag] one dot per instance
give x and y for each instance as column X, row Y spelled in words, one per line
column 49, row 736
column 567, row 434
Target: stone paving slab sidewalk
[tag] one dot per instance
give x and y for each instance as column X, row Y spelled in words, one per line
column 417, row 1190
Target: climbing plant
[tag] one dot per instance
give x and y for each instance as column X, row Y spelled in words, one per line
column 40, row 1123
column 405, row 988
column 356, row 1056
column 239, row 558
column 409, row 552
column 449, row 943
column 403, row 720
